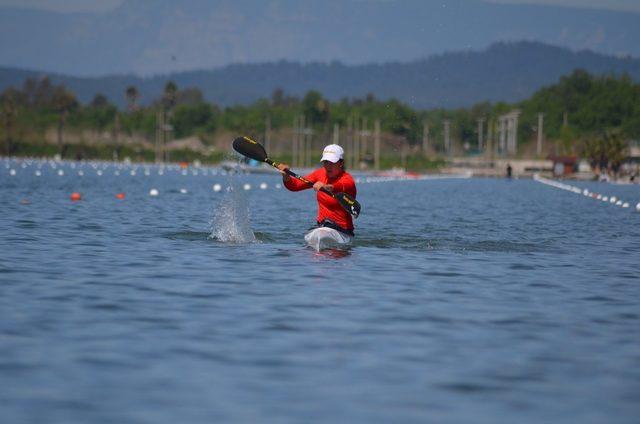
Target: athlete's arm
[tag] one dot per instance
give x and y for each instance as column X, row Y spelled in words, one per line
column 295, row 184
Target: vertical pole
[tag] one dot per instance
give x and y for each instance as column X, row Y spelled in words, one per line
column 349, row 142
column 480, row 134
column 303, row 127
column 356, row 144
column 163, row 136
column 336, row 134
column 502, row 130
column 509, row 122
column 540, row 128
column 309, row 144
column 116, row 135
column 158, row 126
column 294, row 147
column 167, row 137
column 376, row 145
column 267, row 134
column 490, row 125
column 447, row 139
column 425, row 138
column 515, row 132
column 364, row 141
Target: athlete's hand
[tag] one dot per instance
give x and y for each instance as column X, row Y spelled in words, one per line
column 282, row 167
column 319, row 184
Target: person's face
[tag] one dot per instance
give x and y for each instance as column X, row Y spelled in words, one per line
column 333, row 169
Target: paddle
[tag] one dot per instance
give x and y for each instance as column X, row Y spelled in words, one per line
column 254, row 150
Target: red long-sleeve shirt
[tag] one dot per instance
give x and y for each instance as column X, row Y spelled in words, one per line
column 328, row 207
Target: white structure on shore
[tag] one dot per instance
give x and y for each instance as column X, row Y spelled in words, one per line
column 508, row 132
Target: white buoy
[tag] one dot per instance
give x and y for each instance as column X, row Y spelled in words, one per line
column 153, row 192
column 38, row 173
column 599, row 196
column 605, row 198
column 161, row 172
column 133, row 173
column 247, row 186
column 99, row 173
column 585, row 192
column 263, row 186
column 147, row 172
column 217, row 187
column 183, row 191
column 12, row 172
column 638, row 207
column 117, row 173
column 625, row 205
column 619, row 203
column 613, row 199
column 60, row 172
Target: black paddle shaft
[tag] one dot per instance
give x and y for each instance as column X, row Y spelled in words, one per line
column 254, row 150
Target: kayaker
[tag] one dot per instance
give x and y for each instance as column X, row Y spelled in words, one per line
column 333, row 177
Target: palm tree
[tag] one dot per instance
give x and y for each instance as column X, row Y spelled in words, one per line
column 132, row 96
column 170, row 95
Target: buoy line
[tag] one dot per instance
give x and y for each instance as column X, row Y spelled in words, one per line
column 16, row 167
column 388, row 178
column 577, row 190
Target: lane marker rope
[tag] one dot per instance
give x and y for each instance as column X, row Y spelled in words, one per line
column 577, row 190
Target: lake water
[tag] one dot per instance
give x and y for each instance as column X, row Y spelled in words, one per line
column 462, row 300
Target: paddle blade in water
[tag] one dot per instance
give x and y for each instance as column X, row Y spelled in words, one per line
column 249, row 148
column 349, row 203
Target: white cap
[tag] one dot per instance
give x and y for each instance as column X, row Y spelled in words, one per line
column 332, row 153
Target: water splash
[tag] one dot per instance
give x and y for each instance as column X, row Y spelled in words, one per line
column 231, row 223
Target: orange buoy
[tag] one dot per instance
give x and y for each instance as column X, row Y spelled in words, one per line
column 75, row 196
column 24, row 201
column 184, row 165
column 120, row 196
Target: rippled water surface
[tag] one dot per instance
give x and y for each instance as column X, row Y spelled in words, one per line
column 466, row 300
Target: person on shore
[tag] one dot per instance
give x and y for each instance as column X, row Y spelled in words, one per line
column 333, row 177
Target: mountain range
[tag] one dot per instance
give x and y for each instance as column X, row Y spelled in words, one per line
column 503, row 72
column 151, row 37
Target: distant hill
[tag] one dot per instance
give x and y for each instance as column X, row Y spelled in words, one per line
column 504, row 72
column 148, row 37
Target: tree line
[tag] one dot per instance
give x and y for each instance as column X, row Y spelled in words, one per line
column 578, row 109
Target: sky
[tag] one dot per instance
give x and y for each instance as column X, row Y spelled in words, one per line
column 106, row 5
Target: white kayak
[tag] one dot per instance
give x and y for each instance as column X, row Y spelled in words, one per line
column 327, row 238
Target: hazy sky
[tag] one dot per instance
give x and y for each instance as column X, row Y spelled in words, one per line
column 103, row 5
